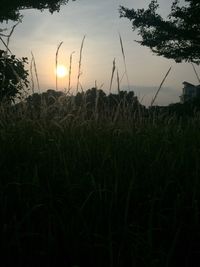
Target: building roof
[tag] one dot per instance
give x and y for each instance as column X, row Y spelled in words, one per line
column 188, row 84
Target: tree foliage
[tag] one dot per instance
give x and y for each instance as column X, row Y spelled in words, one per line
column 13, row 76
column 10, row 9
column 89, row 104
column 177, row 37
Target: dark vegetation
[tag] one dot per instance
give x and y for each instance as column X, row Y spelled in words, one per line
column 96, row 179
column 176, row 37
column 13, row 77
column 87, row 183
column 10, row 9
column 95, row 103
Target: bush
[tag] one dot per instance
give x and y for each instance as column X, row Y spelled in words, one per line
column 13, row 76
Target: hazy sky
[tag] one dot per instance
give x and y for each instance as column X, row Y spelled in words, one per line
column 41, row 32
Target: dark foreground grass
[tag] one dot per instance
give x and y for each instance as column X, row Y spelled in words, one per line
column 87, row 193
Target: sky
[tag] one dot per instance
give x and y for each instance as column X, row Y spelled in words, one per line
column 98, row 20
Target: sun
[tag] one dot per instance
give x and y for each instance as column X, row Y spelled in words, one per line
column 61, row 71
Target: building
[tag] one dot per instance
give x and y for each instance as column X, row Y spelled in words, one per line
column 190, row 91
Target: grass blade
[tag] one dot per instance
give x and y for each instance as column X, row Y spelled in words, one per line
column 80, row 61
column 112, row 75
column 153, row 100
column 118, row 82
column 70, row 72
column 195, row 71
column 32, row 79
column 11, row 32
column 57, row 64
column 36, row 73
column 124, row 59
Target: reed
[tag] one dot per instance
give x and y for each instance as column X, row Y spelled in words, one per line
column 70, row 73
column 112, row 75
column 195, row 71
column 32, row 77
column 124, row 60
column 154, row 98
column 8, row 36
column 34, row 66
column 79, row 66
column 56, row 63
column 118, row 83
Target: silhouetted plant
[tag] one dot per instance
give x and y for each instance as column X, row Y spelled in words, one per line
column 178, row 37
column 94, row 97
column 189, row 108
column 13, row 76
column 92, row 103
column 9, row 9
column 79, row 98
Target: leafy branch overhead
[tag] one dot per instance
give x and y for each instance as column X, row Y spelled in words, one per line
column 10, row 9
column 177, row 37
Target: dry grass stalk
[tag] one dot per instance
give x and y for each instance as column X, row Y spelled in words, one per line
column 70, row 72
column 7, row 48
column 118, row 82
column 195, row 71
column 95, row 84
column 11, row 32
column 6, row 44
column 35, row 70
column 112, row 75
column 32, row 79
column 153, row 100
column 80, row 61
column 96, row 101
column 124, row 59
column 57, row 64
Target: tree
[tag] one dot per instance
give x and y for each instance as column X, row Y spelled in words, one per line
column 13, row 76
column 177, row 37
column 9, row 9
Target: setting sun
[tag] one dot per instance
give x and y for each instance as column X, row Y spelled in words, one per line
column 61, row 71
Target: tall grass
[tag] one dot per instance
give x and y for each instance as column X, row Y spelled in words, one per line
column 94, row 192
column 120, row 189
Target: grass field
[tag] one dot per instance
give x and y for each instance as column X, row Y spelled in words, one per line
column 77, row 192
